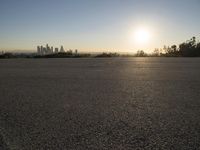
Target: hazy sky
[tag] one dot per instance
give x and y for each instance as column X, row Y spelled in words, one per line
column 96, row 25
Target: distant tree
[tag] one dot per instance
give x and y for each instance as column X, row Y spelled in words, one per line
column 198, row 49
column 7, row 55
column 108, row 55
column 69, row 52
column 156, row 52
column 193, row 41
column 173, row 48
column 141, row 53
column 167, row 50
column 161, row 51
column 189, row 48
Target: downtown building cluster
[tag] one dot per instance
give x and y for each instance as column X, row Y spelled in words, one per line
column 46, row 50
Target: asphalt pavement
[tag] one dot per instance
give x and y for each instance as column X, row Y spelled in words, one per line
column 100, row 103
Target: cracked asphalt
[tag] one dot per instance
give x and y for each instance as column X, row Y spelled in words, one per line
column 105, row 103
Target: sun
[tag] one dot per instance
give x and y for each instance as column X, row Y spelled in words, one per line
column 142, row 35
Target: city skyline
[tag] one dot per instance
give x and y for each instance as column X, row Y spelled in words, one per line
column 96, row 26
column 45, row 50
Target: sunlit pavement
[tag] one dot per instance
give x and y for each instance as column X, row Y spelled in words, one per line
column 113, row 103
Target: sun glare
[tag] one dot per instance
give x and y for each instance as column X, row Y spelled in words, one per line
column 142, row 35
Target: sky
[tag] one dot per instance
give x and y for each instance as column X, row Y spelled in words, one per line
column 97, row 25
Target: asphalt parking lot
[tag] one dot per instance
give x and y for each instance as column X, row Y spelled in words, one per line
column 90, row 103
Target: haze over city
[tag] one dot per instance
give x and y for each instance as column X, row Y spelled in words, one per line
column 97, row 25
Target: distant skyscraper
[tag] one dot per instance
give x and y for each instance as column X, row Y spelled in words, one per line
column 48, row 50
column 52, row 49
column 38, row 50
column 41, row 50
column 47, row 46
column 56, row 50
column 62, row 49
column 44, row 50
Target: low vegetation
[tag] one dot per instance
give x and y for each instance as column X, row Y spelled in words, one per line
column 190, row 48
column 63, row 55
